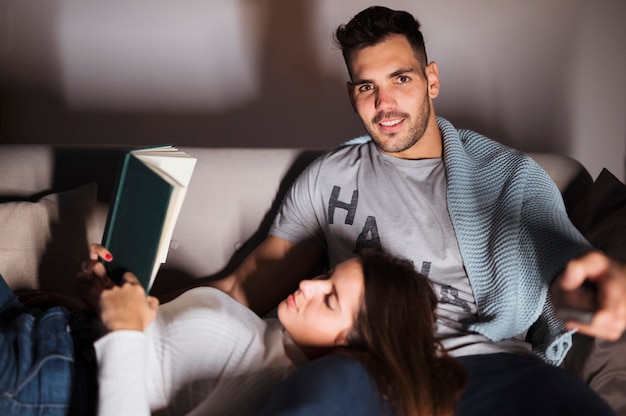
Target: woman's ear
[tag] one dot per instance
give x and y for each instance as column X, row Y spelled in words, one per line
column 432, row 78
column 342, row 340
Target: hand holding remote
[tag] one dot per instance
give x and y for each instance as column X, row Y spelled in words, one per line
column 578, row 305
column 591, row 295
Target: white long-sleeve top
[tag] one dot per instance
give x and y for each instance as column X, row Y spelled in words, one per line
column 204, row 354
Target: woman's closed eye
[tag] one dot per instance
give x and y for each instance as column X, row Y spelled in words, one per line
column 330, row 301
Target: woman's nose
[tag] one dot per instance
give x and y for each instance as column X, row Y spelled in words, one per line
column 311, row 287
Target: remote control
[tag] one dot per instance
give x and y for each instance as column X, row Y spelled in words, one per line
column 577, row 305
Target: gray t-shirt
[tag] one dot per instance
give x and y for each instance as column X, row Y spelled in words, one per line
column 356, row 197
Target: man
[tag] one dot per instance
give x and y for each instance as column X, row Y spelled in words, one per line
column 482, row 221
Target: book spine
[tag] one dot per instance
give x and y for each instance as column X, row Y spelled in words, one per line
column 114, row 205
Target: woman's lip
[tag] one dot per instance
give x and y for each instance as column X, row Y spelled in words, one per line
column 291, row 301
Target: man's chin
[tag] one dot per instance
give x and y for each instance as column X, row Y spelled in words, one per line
column 392, row 145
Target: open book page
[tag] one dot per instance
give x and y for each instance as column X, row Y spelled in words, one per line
column 176, row 168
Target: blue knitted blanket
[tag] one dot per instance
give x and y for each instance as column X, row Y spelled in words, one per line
column 514, row 235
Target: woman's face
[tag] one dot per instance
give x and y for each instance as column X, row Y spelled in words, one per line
column 322, row 311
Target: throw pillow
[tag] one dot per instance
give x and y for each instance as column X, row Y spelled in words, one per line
column 43, row 243
column 601, row 218
column 601, row 215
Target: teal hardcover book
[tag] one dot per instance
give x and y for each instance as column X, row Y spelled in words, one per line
column 151, row 186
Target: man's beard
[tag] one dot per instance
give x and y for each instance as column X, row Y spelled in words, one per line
column 399, row 144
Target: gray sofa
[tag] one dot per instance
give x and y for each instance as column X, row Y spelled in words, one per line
column 230, row 203
column 54, row 201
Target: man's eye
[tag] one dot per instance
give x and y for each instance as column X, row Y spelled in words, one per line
column 365, row 88
column 403, row 79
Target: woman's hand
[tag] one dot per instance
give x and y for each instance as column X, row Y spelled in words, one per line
column 126, row 306
column 92, row 279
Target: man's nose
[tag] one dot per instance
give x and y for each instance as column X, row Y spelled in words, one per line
column 384, row 99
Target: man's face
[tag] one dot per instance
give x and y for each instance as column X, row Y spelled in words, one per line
column 392, row 94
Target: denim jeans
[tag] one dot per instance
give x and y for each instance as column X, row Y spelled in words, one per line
column 334, row 385
column 36, row 358
column 508, row 384
column 499, row 384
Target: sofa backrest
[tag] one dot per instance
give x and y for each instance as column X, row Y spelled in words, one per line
column 233, row 196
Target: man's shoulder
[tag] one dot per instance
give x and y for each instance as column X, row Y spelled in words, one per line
column 347, row 153
column 466, row 137
column 476, row 145
column 467, row 151
column 342, row 160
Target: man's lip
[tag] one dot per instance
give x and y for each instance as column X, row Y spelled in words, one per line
column 397, row 122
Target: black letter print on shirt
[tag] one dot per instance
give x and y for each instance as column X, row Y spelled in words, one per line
column 451, row 295
column 369, row 229
column 336, row 203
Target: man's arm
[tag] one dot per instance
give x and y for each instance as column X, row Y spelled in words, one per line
column 270, row 273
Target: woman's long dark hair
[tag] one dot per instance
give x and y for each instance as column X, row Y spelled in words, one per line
column 393, row 338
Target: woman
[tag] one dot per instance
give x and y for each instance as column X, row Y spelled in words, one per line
column 205, row 353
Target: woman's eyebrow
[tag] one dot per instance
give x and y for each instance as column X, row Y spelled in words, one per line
column 328, row 274
column 333, row 291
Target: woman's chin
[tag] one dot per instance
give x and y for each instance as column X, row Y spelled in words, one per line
column 281, row 310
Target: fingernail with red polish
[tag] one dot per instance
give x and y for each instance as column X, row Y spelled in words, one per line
column 108, row 257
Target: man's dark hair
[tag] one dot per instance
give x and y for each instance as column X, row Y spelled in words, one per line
column 372, row 25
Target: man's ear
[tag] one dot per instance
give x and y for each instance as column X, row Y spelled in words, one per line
column 432, row 78
column 350, row 90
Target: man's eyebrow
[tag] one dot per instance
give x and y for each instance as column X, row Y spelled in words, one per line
column 397, row 72
column 401, row 71
column 358, row 82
